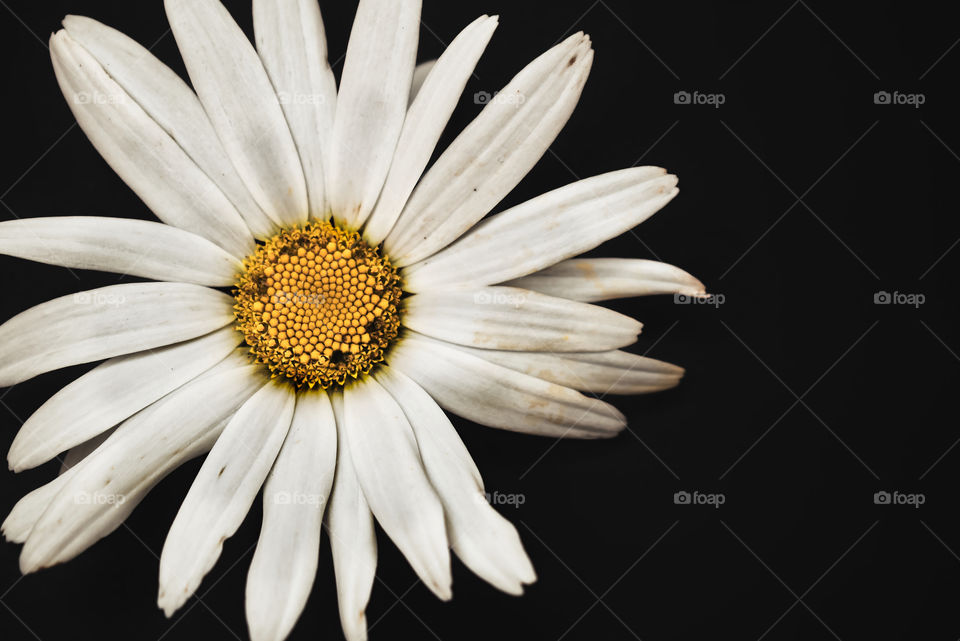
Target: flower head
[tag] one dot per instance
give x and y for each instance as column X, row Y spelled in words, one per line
column 319, row 295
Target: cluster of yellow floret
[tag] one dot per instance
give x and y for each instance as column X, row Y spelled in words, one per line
column 317, row 305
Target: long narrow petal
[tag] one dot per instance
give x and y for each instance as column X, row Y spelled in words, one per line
column 353, row 540
column 119, row 245
column 600, row 373
column 152, row 164
column 485, row 541
column 543, row 231
column 518, row 319
column 237, row 95
column 294, row 498
column 223, row 492
column 384, row 453
column 420, row 73
column 28, row 510
column 371, row 105
column 293, row 46
column 106, row 322
column 496, row 396
column 425, row 122
column 79, row 452
column 111, row 393
column 493, row 153
column 596, row 279
column 96, row 495
column 172, row 104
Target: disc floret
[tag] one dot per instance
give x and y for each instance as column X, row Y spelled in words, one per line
column 317, row 305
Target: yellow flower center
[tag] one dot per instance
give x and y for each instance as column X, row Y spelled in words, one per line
column 318, row 305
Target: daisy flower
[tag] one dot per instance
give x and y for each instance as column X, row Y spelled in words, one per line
column 316, row 298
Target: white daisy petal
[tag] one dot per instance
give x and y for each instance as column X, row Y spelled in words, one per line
column 28, row 510
column 111, row 393
column 79, row 452
column 486, row 542
column 106, row 322
column 543, row 231
column 120, row 245
column 371, row 105
column 97, row 494
column 384, row 452
column 222, row 493
column 353, row 540
column 597, row 279
column 172, row 104
column 601, row 373
column 152, row 164
column 425, row 122
column 420, row 73
column 493, row 153
column 237, row 95
column 293, row 46
column 496, row 396
column 517, row 319
column 294, row 497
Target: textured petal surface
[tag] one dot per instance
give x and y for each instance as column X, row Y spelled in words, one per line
column 600, row 373
column 237, row 95
column 223, row 492
column 517, row 319
column 425, row 122
column 97, row 495
column 385, row 456
column 111, row 393
column 596, row 279
column 122, row 246
column 294, row 498
column 106, row 322
column 28, row 510
column 496, row 396
column 293, row 46
column 493, row 153
column 353, row 540
column 371, row 105
column 172, row 104
column 543, row 231
column 79, row 452
column 486, row 542
column 152, row 164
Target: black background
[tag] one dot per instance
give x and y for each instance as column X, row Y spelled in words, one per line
column 800, row 199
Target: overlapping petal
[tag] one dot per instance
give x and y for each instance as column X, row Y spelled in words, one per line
column 106, row 322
